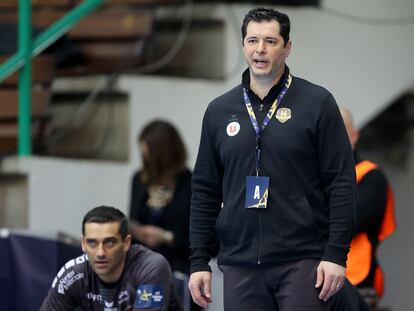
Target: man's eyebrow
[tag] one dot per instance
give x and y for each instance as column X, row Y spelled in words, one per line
column 110, row 238
column 266, row 37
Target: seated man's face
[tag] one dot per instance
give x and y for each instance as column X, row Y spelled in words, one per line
column 105, row 249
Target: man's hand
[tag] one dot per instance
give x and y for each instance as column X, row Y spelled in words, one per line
column 331, row 276
column 200, row 288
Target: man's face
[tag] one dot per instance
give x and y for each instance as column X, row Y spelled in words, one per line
column 105, row 249
column 264, row 50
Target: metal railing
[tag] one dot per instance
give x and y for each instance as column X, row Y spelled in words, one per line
column 27, row 49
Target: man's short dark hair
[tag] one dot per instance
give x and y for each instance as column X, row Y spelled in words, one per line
column 266, row 14
column 106, row 214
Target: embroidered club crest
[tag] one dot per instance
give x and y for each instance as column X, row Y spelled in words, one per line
column 283, row 114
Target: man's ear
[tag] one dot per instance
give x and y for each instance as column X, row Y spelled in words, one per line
column 288, row 48
column 354, row 138
column 127, row 242
column 82, row 242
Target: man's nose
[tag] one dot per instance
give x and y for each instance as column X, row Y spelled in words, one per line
column 261, row 47
column 101, row 251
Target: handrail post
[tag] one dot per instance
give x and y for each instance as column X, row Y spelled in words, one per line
column 25, row 78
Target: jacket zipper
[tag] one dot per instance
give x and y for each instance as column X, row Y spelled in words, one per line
column 259, row 246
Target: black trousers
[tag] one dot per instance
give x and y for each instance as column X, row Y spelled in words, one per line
column 285, row 287
column 348, row 299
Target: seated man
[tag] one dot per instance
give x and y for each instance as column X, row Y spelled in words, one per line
column 375, row 220
column 112, row 274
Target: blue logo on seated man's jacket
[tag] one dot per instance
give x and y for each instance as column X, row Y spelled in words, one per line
column 149, row 296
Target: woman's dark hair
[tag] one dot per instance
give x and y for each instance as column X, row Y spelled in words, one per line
column 106, row 214
column 167, row 153
column 266, row 14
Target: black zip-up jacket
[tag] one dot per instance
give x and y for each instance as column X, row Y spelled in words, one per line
column 311, row 204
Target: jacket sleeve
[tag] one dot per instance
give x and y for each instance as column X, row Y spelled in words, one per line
column 179, row 227
column 337, row 171
column 152, row 281
column 371, row 201
column 136, row 197
column 60, row 296
column 206, row 198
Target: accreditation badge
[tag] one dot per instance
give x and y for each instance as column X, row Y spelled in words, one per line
column 257, row 191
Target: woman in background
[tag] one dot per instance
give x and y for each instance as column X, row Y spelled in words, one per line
column 161, row 193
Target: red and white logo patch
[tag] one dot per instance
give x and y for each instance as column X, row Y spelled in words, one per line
column 233, row 128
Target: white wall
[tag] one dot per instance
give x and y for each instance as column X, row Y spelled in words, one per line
column 364, row 66
column 61, row 191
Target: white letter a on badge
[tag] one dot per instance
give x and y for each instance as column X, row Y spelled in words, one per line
column 256, row 193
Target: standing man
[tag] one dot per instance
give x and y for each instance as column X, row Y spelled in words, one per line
column 112, row 274
column 274, row 182
column 375, row 221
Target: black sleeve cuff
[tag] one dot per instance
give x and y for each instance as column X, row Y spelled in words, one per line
column 336, row 253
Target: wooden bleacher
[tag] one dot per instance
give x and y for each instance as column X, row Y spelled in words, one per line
column 108, row 38
column 13, row 4
column 111, row 39
column 43, row 73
